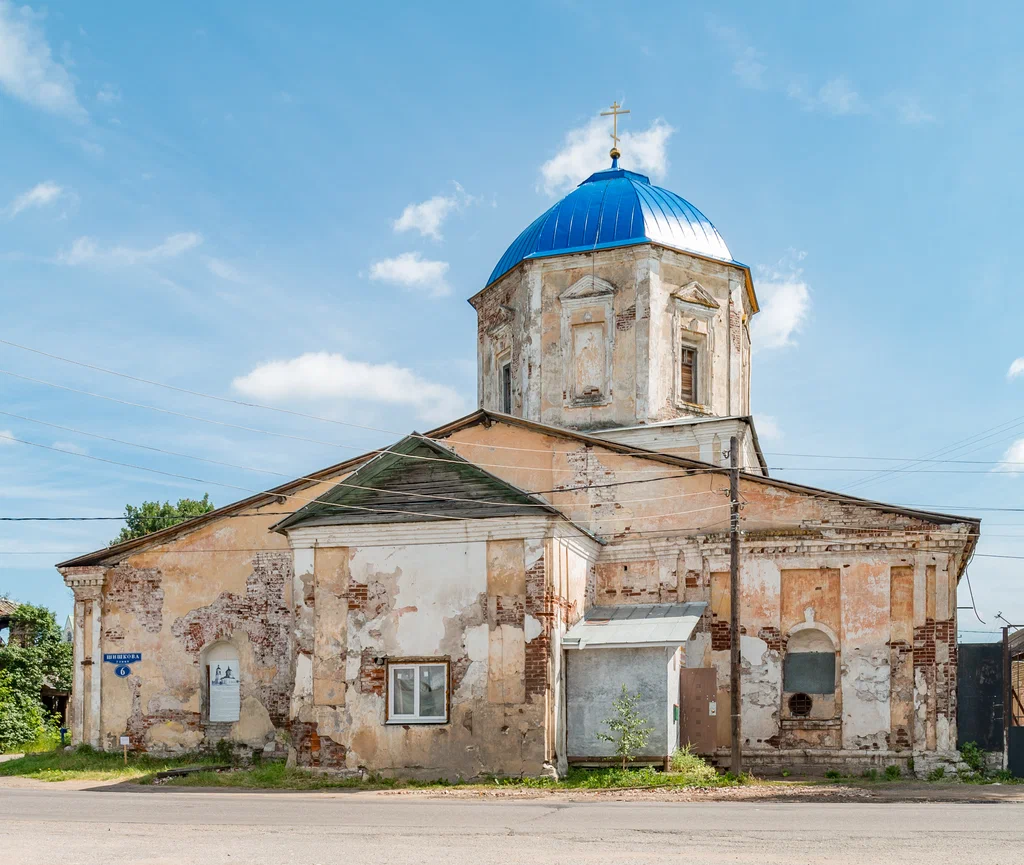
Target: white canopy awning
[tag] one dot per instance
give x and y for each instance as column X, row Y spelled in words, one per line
column 634, row 626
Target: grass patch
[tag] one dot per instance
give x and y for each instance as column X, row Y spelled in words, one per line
column 277, row 776
column 86, row 764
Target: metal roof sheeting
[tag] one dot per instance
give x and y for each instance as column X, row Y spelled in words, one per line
column 634, row 625
column 615, row 208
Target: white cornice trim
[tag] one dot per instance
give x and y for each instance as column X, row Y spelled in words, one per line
column 446, row 532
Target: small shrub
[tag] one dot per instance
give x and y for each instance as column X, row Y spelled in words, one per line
column 257, row 757
column 910, row 765
column 1004, row 776
column 937, row 774
column 785, row 773
column 974, row 757
column 224, row 751
column 871, row 774
column 629, row 728
column 892, row 773
column 694, row 769
column 833, row 774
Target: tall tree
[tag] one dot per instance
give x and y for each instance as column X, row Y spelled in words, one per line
column 36, row 655
column 150, row 516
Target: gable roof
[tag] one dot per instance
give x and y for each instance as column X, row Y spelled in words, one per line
column 393, row 489
column 113, row 554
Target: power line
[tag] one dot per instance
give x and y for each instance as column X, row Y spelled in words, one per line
column 362, row 450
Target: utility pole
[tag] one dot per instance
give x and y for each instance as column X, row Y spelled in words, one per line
column 734, row 604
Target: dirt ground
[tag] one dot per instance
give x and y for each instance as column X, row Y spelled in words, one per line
column 782, row 791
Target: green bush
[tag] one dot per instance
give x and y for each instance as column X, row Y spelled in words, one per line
column 892, row 773
column 937, row 774
column 694, row 769
column 974, row 757
column 871, row 774
column 833, row 774
column 37, row 656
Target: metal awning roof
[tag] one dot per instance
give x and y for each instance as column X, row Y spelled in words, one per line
column 634, row 625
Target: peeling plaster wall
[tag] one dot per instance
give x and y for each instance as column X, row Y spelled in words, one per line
column 521, row 319
column 882, row 582
column 804, row 555
column 171, row 601
column 466, row 602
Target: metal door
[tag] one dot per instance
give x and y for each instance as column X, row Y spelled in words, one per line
column 697, row 693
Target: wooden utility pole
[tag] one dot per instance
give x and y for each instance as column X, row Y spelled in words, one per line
column 734, row 605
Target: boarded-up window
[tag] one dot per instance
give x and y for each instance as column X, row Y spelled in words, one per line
column 506, row 388
column 688, row 374
column 588, row 343
column 809, row 672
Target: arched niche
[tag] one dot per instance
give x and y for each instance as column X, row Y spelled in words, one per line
column 221, row 672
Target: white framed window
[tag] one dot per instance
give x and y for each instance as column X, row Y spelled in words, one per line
column 418, row 692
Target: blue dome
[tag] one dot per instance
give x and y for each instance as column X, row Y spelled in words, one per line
column 615, row 208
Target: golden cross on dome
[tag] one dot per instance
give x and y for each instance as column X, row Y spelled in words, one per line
column 614, row 114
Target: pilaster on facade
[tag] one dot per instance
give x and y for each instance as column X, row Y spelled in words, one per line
column 87, row 585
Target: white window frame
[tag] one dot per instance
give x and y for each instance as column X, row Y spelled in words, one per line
column 415, row 718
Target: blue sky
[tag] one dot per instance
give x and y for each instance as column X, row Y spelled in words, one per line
column 292, row 205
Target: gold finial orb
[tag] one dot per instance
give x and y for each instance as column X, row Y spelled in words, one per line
column 614, row 153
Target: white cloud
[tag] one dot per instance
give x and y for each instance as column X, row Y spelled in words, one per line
column 70, row 447
column 785, row 301
column 428, row 216
column 28, row 70
column 1013, row 460
column 585, row 150
column 413, row 271
column 1016, row 368
column 909, row 110
column 39, row 195
column 224, row 270
column 6, row 438
column 767, row 427
column 85, row 251
column 836, row 96
column 109, row 94
column 746, row 65
column 320, row 376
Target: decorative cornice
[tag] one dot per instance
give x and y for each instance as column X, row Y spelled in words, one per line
column 81, row 577
column 446, row 532
column 718, row 546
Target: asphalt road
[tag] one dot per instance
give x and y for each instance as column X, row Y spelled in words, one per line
column 161, row 826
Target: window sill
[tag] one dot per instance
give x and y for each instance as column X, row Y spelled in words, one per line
column 695, row 407
column 404, row 722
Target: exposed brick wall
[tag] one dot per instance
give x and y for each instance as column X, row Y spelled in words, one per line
column 138, row 592
column 541, row 605
column 772, row 637
column 509, row 610
column 720, row 635
column 262, row 613
column 358, row 595
column 372, row 675
column 626, row 318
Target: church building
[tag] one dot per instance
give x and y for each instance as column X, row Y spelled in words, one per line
column 470, row 600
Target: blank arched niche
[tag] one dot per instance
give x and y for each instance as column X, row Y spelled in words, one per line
column 810, row 664
column 221, row 682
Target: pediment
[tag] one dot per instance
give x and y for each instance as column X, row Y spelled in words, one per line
column 416, row 480
column 588, row 286
column 694, row 292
